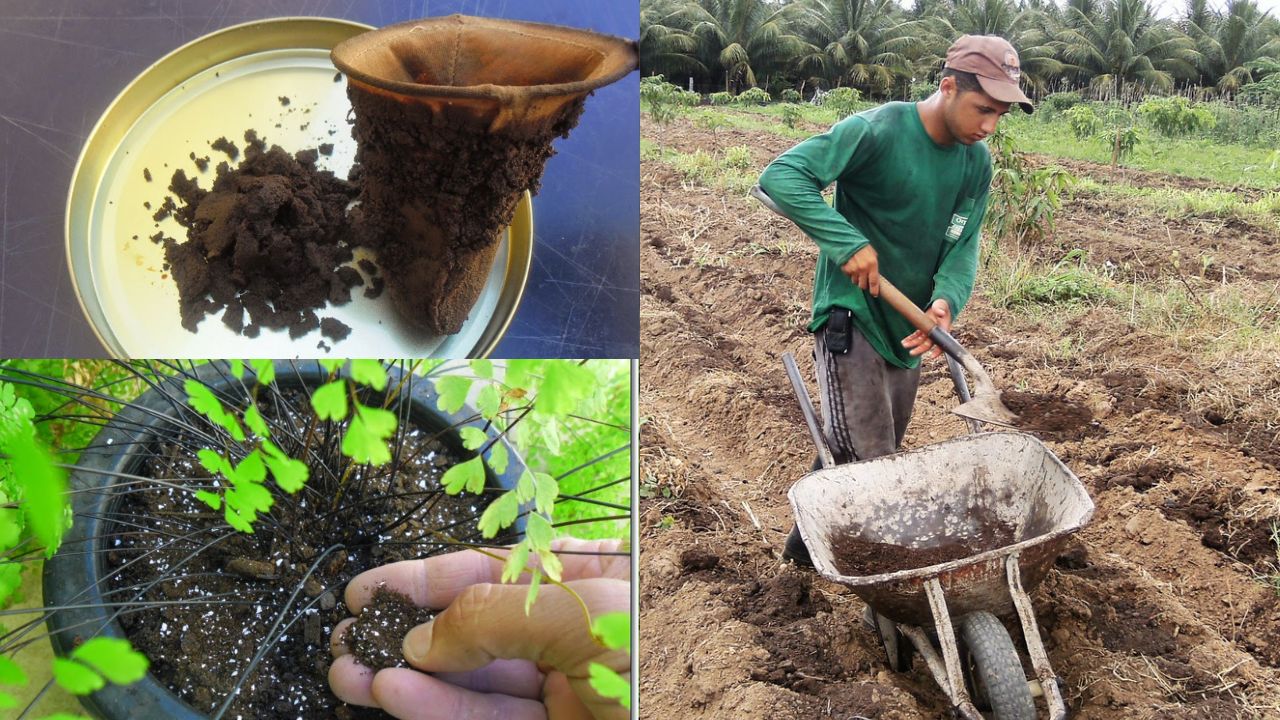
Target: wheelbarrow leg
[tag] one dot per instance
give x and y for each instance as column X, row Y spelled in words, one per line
column 1035, row 648
column 953, row 680
column 936, row 666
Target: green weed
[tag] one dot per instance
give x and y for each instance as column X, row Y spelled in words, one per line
column 732, row 171
column 1172, row 203
column 1013, row 281
column 752, row 96
column 737, row 157
column 791, row 115
column 1083, row 121
column 1175, row 117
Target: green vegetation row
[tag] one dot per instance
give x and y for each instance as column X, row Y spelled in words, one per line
column 1233, row 146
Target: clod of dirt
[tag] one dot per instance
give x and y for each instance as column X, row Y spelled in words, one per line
column 1145, row 476
column 695, row 559
column 1246, row 538
column 437, row 188
column 146, row 174
column 1074, row 557
column 166, row 209
column 377, row 635
column 783, row 598
column 284, row 101
column 855, row 556
column 1049, row 416
column 269, row 239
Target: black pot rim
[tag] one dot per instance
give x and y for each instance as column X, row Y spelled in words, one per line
column 72, row 579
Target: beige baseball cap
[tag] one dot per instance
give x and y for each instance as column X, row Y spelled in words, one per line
column 995, row 63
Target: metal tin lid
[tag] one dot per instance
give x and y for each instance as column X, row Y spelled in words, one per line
column 221, row 85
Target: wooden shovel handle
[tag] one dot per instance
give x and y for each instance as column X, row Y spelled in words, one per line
column 892, row 295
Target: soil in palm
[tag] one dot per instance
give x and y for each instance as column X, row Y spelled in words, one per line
column 377, row 636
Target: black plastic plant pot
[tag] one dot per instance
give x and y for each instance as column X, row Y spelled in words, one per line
column 73, row 577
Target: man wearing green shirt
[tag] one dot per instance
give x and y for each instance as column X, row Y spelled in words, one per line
column 911, row 183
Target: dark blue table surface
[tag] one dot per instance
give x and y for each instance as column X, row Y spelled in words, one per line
column 62, row 62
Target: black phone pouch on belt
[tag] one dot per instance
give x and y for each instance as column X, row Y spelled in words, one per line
column 838, row 330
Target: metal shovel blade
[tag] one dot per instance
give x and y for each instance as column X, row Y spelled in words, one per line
column 987, row 409
column 985, row 405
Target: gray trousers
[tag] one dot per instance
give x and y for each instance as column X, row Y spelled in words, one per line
column 866, row 402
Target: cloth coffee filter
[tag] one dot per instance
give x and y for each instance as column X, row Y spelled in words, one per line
column 454, row 118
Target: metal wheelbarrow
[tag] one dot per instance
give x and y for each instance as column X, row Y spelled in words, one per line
column 1002, row 500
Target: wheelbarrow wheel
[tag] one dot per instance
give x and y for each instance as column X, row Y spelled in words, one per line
column 992, row 668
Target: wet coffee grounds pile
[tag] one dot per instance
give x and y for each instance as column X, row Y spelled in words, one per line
column 225, row 591
column 376, row 638
column 266, row 247
column 857, row 557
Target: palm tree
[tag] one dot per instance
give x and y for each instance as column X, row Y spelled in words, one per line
column 1082, row 8
column 1028, row 30
column 985, row 17
column 1124, row 44
column 865, row 43
column 666, row 49
column 742, row 38
column 1230, row 41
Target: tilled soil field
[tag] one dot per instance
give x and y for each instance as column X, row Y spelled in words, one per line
column 1165, row 606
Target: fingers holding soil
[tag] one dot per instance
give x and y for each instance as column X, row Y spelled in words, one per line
column 376, row 638
column 338, row 638
column 430, row 582
column 351, row 681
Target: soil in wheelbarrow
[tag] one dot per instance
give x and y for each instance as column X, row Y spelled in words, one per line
column 211, row 599
column 854, row 556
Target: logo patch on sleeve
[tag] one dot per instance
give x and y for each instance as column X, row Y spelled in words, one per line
column 958, row 222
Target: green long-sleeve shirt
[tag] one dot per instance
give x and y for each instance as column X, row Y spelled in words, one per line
column 919, row 204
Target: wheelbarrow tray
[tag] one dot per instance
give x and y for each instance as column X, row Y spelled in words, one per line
column 939, row 495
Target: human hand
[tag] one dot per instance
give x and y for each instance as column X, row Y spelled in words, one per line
column 920, row 343
column 485, row 656
column 864, row 270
